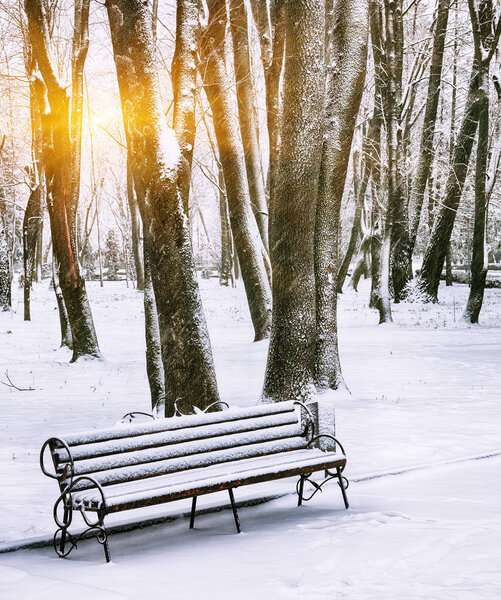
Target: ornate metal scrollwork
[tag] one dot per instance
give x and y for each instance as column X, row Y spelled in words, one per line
column 133, row 415
column 194, row 409
column 309, row 430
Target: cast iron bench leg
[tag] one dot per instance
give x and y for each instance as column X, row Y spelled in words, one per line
column 300, row 491
column 343, row 490
column 234, row 509
column 193, row 508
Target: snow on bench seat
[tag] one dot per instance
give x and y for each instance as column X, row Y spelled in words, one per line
column 212, row 478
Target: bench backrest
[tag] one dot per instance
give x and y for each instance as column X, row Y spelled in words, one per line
column 134, row 451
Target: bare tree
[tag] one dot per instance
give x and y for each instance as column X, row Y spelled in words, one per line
column 436, row 250
column 59, row 165
column 157, row 164
column 291, row 355
column 346, row 58
column 239, row 24
column 485, row 40
column 252, row 254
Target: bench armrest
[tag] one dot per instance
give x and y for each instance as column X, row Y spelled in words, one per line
column 327, row 435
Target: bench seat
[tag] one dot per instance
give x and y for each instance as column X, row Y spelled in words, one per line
column 203, row 480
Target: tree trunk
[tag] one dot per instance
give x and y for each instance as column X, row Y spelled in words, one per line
column 66, row 337
column 247, row 114
column 184, row 82
column 362, row 263
column 291, row 355
column 436, row 250
column 345, row 83
column 31, row 227
column 380, row 238
column 430, row 118
column 367, row 161
column 136, row 228
column 248, row 243
column 5, row 281
column 58, row 163
column 397, row 213
column 79, row 54
column 157, row 165
column 154, row 365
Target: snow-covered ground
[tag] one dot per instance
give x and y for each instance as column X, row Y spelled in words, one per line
column 425, row 393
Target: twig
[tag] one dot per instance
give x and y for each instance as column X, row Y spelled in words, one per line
column 14, row 386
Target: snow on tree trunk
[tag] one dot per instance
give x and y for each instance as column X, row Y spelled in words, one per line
column 249, row 246
column 5, row 283
column 434, row 256
column 53, row 103
column 156, row 162
column 247, row 114
column 430, row 118
column 184, row 82
column 346, row 66
column 291, row 355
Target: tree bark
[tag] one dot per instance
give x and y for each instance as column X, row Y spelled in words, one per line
column 58, row 162
column 136, row 228
column 154, row 365
column 247, row 114
column 484, row 40
column 397, row 213
column 436, row 250
column 157, row 165
column 380, row 238
column 291, row 355
column 429, row 123
column 251, row 252
column 184, row 82
column 347, row 58
column 5, row 281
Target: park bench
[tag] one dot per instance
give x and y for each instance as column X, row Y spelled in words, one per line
column 142, row 464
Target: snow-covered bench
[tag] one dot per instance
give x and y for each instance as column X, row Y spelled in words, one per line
column 141, row 464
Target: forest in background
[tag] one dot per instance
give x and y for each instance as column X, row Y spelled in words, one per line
column 297, row 146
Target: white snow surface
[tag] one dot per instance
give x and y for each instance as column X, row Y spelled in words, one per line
column 421, row 430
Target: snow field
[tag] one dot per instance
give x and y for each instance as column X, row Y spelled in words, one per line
column 425, row 391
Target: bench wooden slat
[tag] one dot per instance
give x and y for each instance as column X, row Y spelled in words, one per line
column 167, row 437
column 199, row 446
column 182, row 463
column 136, row 429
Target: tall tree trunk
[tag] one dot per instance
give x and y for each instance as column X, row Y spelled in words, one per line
column 184, row 82
column 64, row 323
column 157, row 165
column 484, row 40
column 291, row 355
column 251, row 252
column 430, row 118
column 79, row 54
column 154, row 365
column 136, row 228
column 58, row 162
column 397, row 213
column 247, row 114
column 347, row 59
column 380, row 238
column 367, row 161
column 434, row 256
column 31, row 227
column 5, row 281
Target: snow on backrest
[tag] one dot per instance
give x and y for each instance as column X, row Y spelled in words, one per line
column 142, row 450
